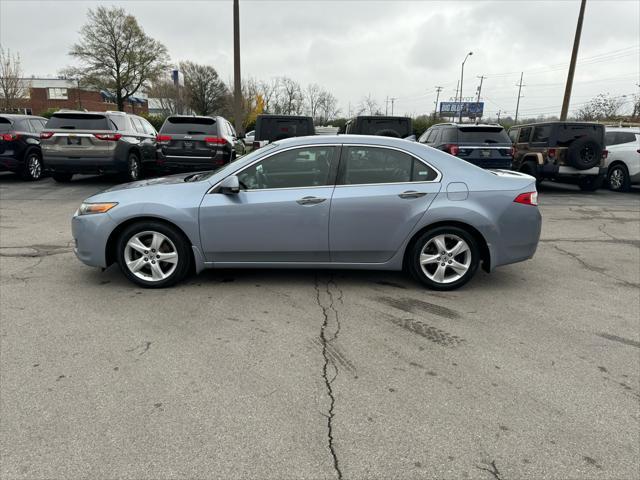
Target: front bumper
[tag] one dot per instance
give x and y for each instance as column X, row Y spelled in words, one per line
column 90, row 235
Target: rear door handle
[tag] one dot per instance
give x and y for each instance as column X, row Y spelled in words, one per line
column 412, row 194
column 310, row 200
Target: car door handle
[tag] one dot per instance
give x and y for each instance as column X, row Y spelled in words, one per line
column 411, row 194
column 310, row 200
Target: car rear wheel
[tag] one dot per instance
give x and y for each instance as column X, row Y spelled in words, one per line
column 618, row 178
column 444, row 258
column 32, row 166
column 134, row 168
column 62, row 177
column 153, row 254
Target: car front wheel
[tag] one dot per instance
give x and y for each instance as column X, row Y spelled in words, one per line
column 153, row 254
column 444, row 258
column 619, row 178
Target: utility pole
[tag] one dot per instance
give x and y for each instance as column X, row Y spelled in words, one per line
column 499, row 115
column 435, row 110
column 481, row 77
column 386, row 105
column 237, row 84
column 393, row 99
column 572, row 65
column 519, row 85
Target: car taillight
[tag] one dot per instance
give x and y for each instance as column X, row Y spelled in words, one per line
column 529, row 198
column 45, row 135
column 163, row 138
column 605, row 154
column 10, row 137
column 215, row 140
column 513, row 151
column 552, row 152
column 453, row 149
column 112, row 137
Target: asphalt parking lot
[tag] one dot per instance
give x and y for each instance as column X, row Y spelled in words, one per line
column 532, row 371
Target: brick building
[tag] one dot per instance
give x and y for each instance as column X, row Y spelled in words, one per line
column 55, row 93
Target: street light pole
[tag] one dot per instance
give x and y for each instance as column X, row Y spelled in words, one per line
column 237, row 84
column 461, row 81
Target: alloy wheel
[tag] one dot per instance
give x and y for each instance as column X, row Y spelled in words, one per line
column 134, row 168
column 34, row 166
column 616, row 178
column 151, row 256
column 445, row 258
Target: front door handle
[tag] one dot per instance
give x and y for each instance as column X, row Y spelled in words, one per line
column 310, row 200
column 412, row 194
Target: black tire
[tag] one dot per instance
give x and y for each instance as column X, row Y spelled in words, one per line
column 134, row 168
column 618, row 178
column 177, row 242
column 529, row 168
column 590, row 183
column 584, row 153
column 388, row 133
column 33, row 168
column 425, row 241
column 61, row 177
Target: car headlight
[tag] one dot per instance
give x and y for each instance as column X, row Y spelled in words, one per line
column 91, row 208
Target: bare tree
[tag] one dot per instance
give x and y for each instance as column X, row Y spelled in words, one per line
column 12, row 86
column 313, row 95
column 116, row 55
column 268, row 91
column 290, row 96
column 602, row 107
column 328, row 106
column 369, row 106
column 205, row 91
column 166, row 94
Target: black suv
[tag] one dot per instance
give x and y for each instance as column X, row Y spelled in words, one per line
column 97, row 142
column 270, row 128
column 20, row 145
column 573, row 152
column 487, row 146
column 398, row 127
column 189, row 143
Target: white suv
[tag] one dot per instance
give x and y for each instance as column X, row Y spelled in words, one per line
column 623, row 161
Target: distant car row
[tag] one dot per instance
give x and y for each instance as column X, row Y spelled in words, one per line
column 73, row 142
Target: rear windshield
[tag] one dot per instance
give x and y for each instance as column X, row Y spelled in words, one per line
column 5, row 125
column 79, row 121
column 189, row 126
column 279, row 128
column 482, row 135
column 371, row 126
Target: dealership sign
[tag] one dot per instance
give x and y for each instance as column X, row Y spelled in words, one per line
column 469, row 109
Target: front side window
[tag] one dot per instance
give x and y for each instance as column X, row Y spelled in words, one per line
column 370, row 165
column 301, row 167
column 36, row 125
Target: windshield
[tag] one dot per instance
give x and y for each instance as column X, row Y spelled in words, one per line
column 231, row 166
column 189, row 126
column 482, row 135
column 78, row 121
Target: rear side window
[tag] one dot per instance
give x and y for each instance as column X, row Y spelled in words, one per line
column 371, row 165
column 23, row 126
column 190, row 126
column 541, row 134
column 482, row 135
column 137, row 124
column 148, row 128
column 525, row 134
column 626, row 137
column 120, row 122
column 449, row 135
column 36, row 125
column 79, row 121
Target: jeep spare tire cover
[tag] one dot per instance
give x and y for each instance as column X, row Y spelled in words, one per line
column 388, row 133
column 584, row 153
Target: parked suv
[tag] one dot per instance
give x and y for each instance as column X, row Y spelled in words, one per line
column 398, row 127
column 484, row 145
column 20, row 145
column 270, row 128
column 623, row 160
column 190, row 143
column 567, row 151
column 97, row 142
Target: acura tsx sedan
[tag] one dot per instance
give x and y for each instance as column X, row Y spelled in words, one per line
column 346, row 201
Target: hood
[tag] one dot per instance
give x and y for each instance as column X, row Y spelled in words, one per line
column 168, row 180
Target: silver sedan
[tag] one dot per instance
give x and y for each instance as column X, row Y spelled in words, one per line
column 355, row 202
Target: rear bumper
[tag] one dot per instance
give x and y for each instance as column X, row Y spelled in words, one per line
column 187, row 163
column 83, row 165
column 550, row 170
column 520, row 236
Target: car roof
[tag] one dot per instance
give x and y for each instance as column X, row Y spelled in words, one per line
column 556, row 122
column 194, row 116
column 19, row 116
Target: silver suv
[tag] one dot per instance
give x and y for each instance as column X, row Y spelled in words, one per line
column 97, row 142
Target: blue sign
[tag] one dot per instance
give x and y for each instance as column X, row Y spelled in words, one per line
column 469, row 109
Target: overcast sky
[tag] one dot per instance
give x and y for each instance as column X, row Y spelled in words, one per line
column 383, row 48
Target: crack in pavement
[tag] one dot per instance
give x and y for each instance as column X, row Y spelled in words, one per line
column 327, row 364
column 493, row 470
column 633, row 243
column 31, row 251
column 593, row 268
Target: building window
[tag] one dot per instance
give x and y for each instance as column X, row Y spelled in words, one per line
column 58, row 94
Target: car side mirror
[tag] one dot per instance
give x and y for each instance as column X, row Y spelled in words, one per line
column 230, row 185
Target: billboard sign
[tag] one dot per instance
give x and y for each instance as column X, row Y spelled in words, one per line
column 469, row 109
